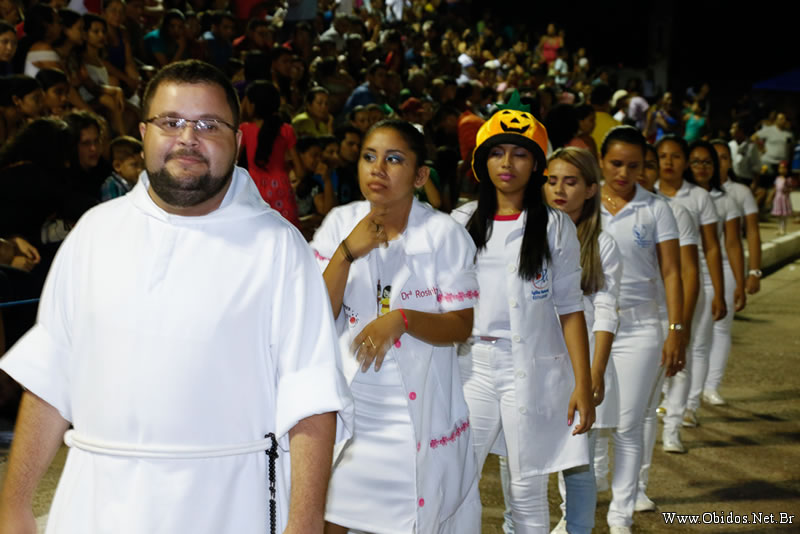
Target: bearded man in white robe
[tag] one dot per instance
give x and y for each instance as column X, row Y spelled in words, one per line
column 183, row 331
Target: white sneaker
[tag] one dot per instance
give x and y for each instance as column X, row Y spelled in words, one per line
column 712, row 397
column 560, row 528
column 616, row 529
column 671, row 442
column 690, row 419
column 644, row 503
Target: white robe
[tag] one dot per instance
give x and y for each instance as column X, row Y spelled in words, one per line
column 157, row 330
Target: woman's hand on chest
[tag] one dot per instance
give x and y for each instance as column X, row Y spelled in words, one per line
column 375, row 339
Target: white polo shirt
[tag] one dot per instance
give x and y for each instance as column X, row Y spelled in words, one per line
column 742, row 195
column 688, row 235
column 697, row 200
column 641, row 224
column 727, row 209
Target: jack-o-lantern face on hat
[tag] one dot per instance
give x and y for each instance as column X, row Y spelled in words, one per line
column 515, row 121
column 510, row 126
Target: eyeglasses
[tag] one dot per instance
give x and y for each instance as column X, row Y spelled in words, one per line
column 202, row 127
column 697, row 163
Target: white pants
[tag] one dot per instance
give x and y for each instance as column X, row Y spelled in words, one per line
column 490, row 395
column 678, row 386
column 637, row 355
column 721, row 337
column 649, row 432
column 702, row 349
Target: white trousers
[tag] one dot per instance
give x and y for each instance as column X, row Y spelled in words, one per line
column 490, row 395
column 678, row 386
column 721, row 337
column 637, row 355
column 701, row 350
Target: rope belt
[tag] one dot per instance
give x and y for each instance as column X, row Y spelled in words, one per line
column 115, row 448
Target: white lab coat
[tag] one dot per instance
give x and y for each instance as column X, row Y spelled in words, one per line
column 544, row 380
column 172, row 333
column 438, row 276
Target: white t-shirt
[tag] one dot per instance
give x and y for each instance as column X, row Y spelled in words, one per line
column 641, row 224
column 493, row 317
column 777, row 143
column 745, row 158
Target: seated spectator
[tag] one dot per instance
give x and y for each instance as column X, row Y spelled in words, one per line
column 42, row 29
column 600, row 100
column 301, row 42
column 96, row 86
column 315, row 121
column 371, row 91
column 127, row 162
column 168, row 42
column 219, row 38
column 119, row 55
column 586, row 118
column 88, row 169
column 349, row 148
column 337, row 31
column 695, row 123
column 562, row 127
column 359, row 118
column 20, row 102
column 257, row 36
column 281, row 71
column 325, row 174
column 309, row 192
column 8, row 47
column 35, row 199
column 376, row 113
column 267, row 141
column 55, row 85
column 17, row 253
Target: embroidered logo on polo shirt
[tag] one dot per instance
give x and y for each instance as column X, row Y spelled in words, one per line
column 541, row 285
column 640, row 236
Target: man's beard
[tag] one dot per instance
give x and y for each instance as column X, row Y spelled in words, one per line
column 187, row 192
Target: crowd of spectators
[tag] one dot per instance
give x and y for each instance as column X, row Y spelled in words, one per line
column 313, row 77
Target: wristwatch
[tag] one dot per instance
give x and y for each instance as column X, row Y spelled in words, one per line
column 755, row 272
column 676, row 326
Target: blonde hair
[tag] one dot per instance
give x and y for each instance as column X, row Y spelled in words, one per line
column 588, row 224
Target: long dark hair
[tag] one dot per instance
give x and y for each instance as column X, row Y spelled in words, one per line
column 731, row 175
column 535, row 249
column 715, row 182
column 266, row 99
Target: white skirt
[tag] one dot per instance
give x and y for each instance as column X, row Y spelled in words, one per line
column 373, row 484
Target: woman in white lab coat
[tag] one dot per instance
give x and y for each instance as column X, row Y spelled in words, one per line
column 528, row 372
column 401, row 279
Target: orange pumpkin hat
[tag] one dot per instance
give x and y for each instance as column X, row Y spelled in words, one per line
column 515, row 125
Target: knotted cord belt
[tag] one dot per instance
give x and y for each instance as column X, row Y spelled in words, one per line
column 115, row 448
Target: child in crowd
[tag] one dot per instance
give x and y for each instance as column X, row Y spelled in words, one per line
column 781, row 202
column 127, row 162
